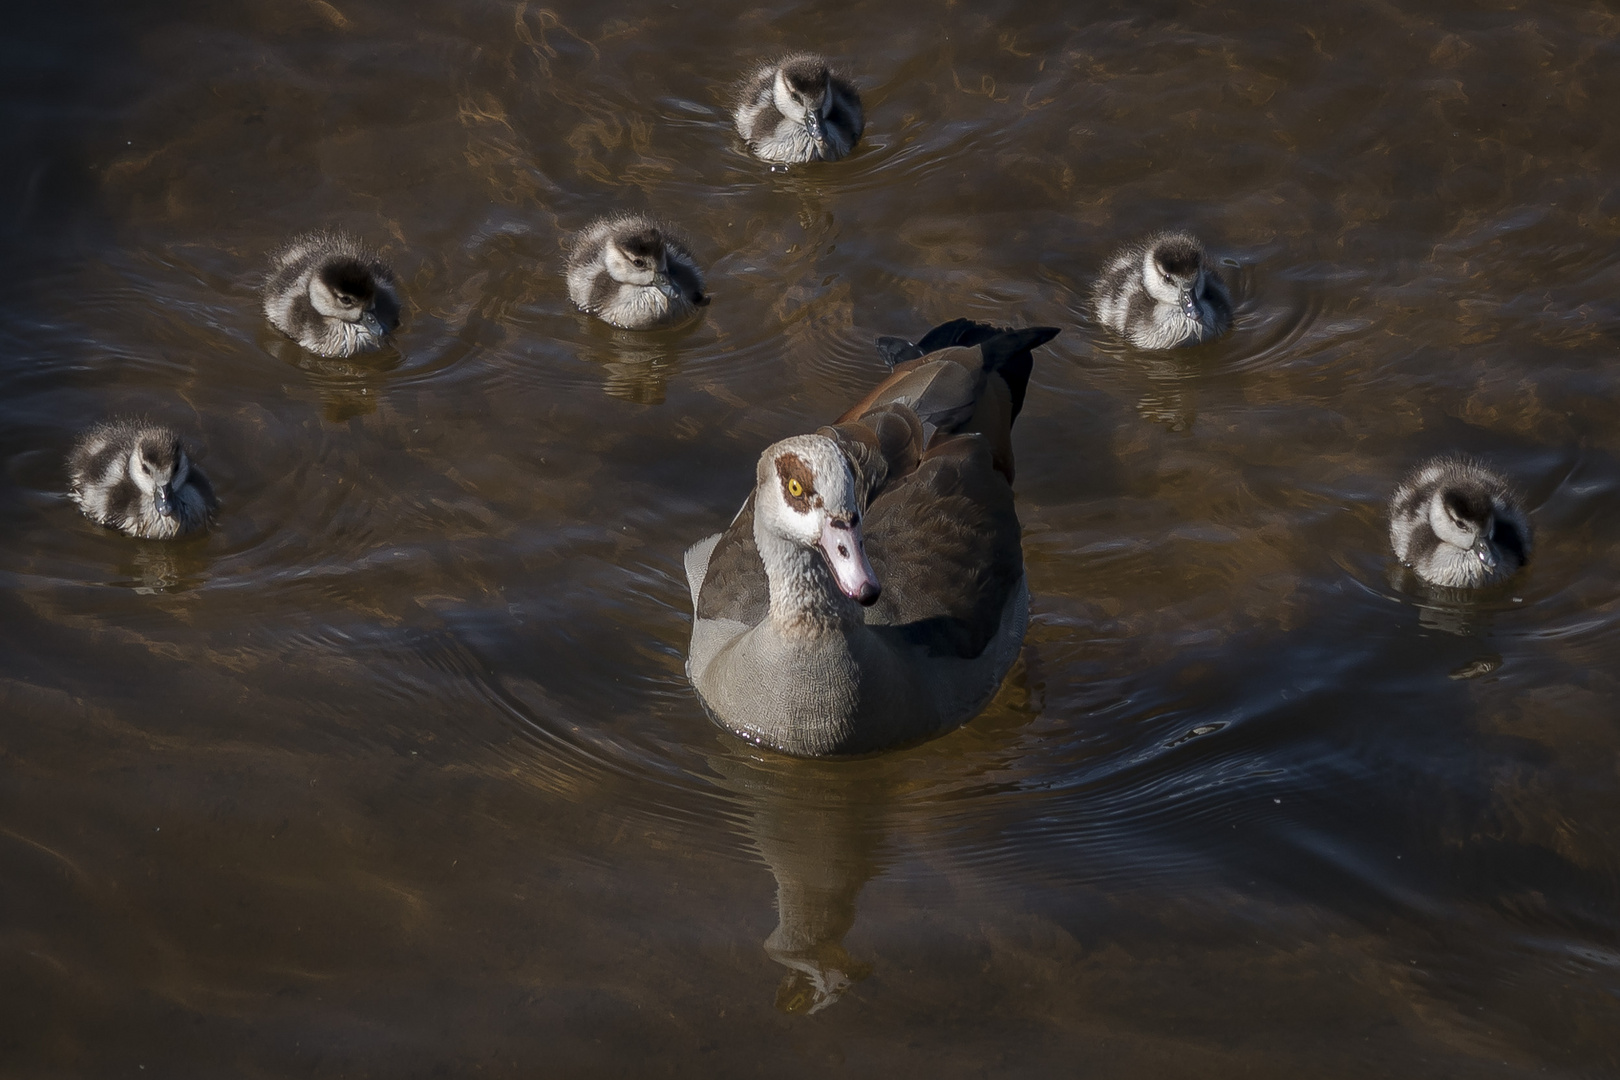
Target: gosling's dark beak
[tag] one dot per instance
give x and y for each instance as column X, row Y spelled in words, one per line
column 164, row 501
column 812, row 124
column 1189, row 306
column 662, row 283
column 1482, row 550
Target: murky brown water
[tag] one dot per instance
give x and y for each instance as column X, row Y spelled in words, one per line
column 397, row 773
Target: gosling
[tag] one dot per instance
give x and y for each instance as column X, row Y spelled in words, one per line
column 799, row 110
column 332, row 295
column 1457, row 524
column 137, row 478
column 1160, row 294
column 634, row 273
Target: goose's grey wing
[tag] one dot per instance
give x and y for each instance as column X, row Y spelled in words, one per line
column 734, row 586
column 962, row 376
column 945, row 543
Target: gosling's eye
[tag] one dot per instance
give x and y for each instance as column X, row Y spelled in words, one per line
column 641, row 264
column 346, row 301
column 795, row 488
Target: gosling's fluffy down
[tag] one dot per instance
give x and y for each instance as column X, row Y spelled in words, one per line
column 331, row 294
column 1456, row 523
column 1160, row 293
column 635, row 273
column 798, row 110
column 138, row 478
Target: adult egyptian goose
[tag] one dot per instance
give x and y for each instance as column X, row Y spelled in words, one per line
column 1161, row 293
column 331, row 294
column 870, row 593
column 634, row 273
column 798, row 109
column 1456, row 523
column 137, row 478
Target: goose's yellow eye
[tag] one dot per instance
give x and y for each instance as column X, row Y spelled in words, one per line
column 795, row 488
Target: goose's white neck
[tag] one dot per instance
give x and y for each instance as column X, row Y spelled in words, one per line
column 805, row 601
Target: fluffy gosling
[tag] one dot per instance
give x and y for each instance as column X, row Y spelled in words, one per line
column 634, row 273
column 1160, row 293
column 1456, row 523
column 799, row 110
column 332, row 295
column 137, row 478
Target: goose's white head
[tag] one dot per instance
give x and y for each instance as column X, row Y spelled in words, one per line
column 803, row 94
column 344, row 289
column 1465, row 518
column 159, row 466
column 1173, row 272
column 806, row 495
column 640, row 258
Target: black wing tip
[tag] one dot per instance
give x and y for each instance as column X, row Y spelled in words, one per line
column 897, row 350
column 957, row 332
column 964, row 333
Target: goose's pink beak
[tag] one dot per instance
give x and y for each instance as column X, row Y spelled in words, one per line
column 846, row 558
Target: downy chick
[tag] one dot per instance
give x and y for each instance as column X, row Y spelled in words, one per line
column 799, row 110
column 634, row 273
column 331, row 294
column 1457, row 524
column 1159, row 293
column 137, row 478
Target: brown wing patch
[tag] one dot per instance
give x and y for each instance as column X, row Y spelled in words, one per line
column 798, row 482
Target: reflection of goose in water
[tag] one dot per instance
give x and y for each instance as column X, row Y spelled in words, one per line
column 871, row 591
column 820, row 830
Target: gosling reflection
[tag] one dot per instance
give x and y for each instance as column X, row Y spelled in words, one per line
column 633, row 368
column 1170, row 396
column 153, row 568
column 820, row 829
column 344, row 388
column 1459, row 612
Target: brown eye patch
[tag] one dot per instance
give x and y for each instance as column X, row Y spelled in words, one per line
column 798, row 482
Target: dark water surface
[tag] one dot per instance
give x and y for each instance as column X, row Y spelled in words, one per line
column 397, row 773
